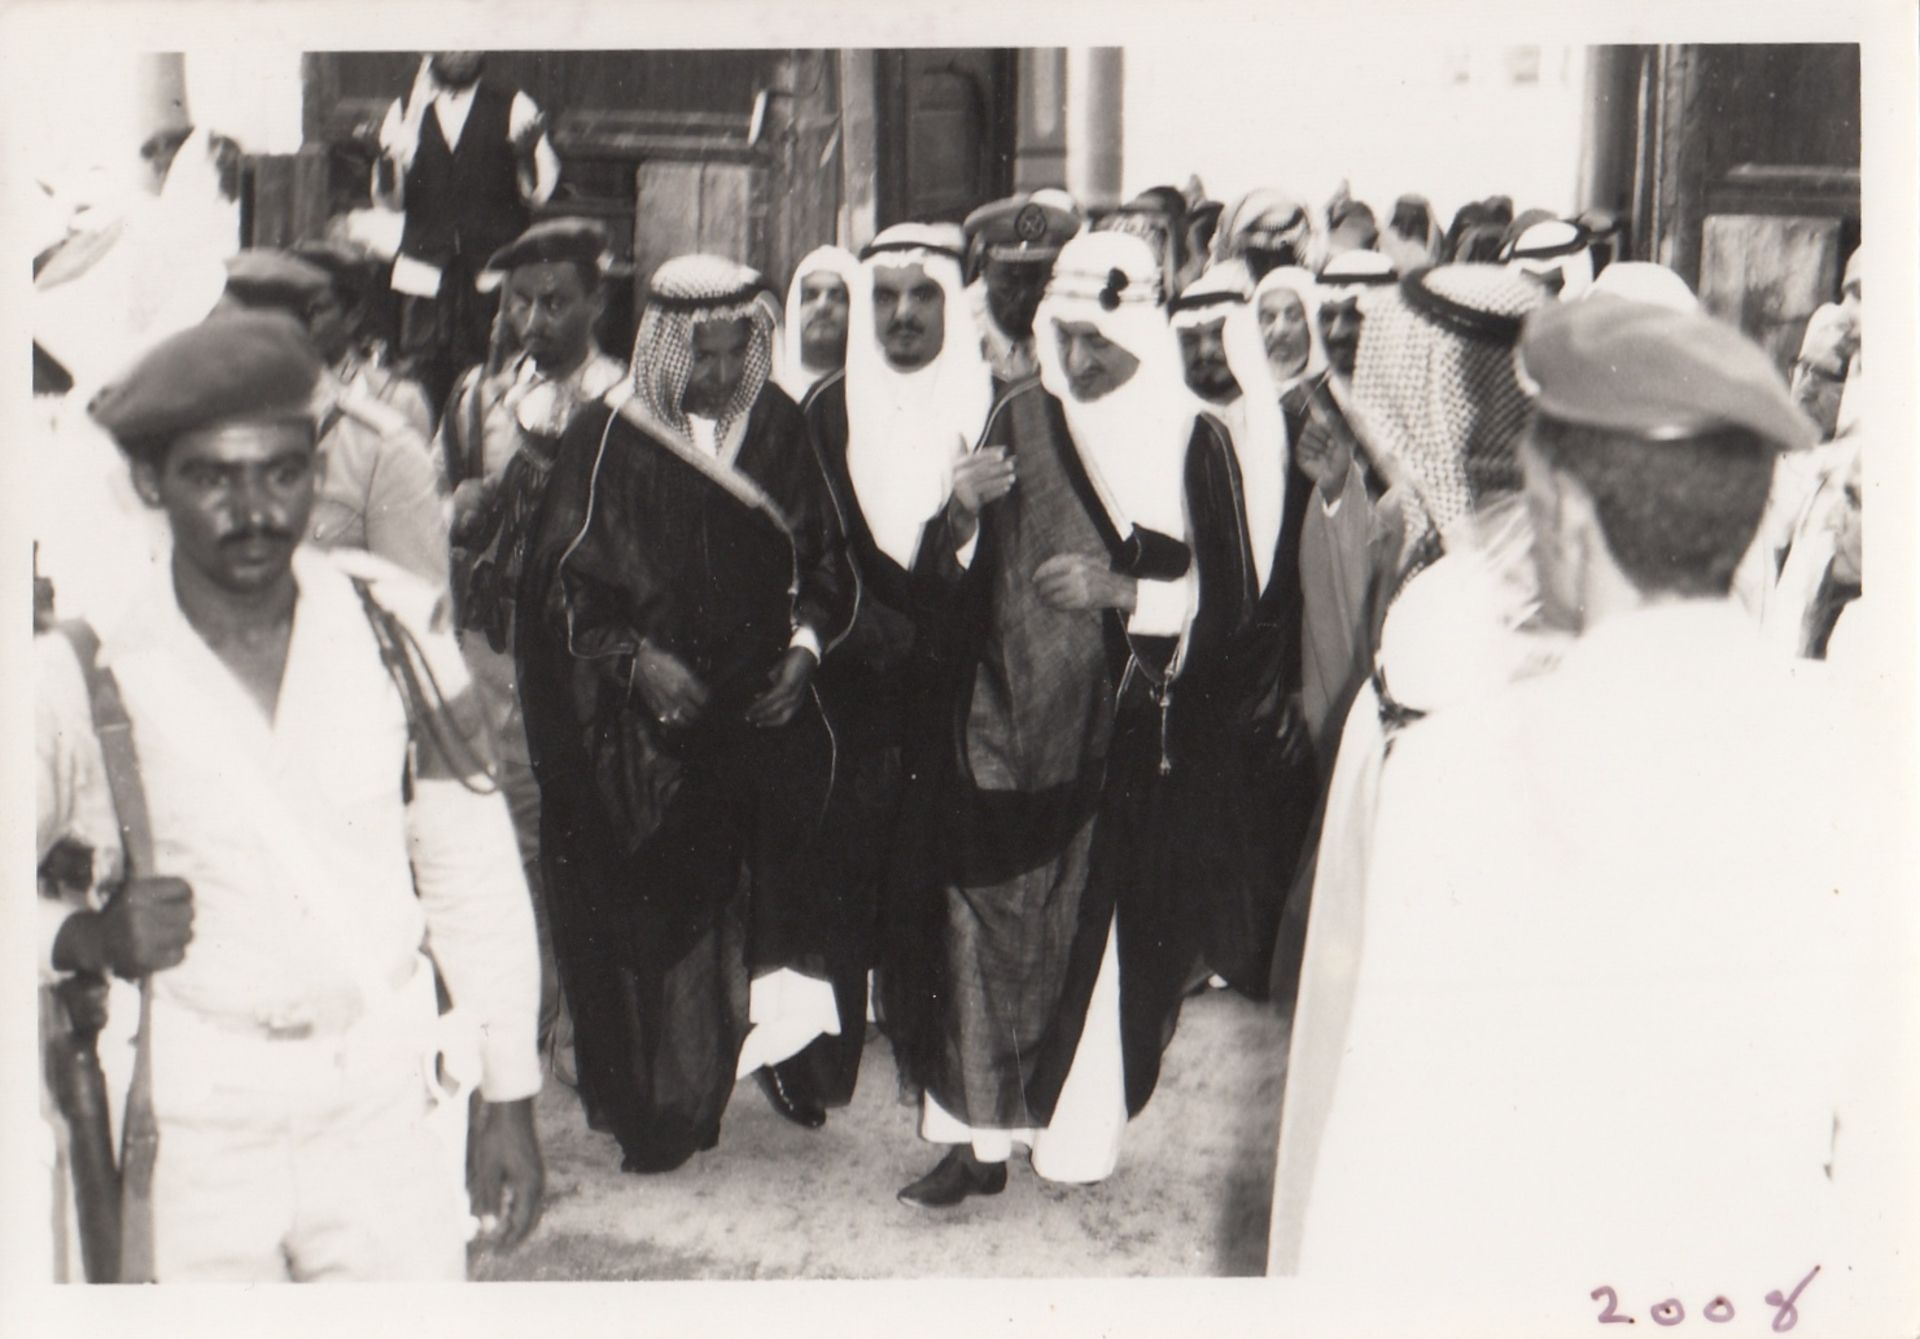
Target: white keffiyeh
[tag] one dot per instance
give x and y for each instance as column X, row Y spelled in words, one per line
column 1253, row 418
column 905, row 430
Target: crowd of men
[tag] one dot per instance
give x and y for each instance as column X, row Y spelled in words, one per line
column 1022, row 627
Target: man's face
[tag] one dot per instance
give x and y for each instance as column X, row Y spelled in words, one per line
column 909, row 315
column 237, row 497
column 823, row 320
column 1095, row 365
column 330, row 324
column 1014, row 290
column 457, row 69
column 719, row 361
column 1203, row 349
column 552, row 311
column 1559, row 582
column 1283, row 330
column 1340, row 322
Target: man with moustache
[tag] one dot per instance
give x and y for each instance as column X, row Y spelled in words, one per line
column 814, row 333
column 467, row 159
column 1337, row 527
column 1011, row 244
column 686, row 579
column 1340, row 532
column 1044, row 847
column 1253, row 684
column 912, row 399
column 497, row 449
column 310, row 814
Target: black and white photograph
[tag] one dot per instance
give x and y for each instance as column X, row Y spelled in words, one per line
column 1189, row 669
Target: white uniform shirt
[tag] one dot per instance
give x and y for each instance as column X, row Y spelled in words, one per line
column 303, row 860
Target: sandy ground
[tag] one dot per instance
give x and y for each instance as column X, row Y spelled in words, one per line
column 773, row 1201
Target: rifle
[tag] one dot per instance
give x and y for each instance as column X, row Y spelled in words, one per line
column 73, row 1013
column 116, row 1228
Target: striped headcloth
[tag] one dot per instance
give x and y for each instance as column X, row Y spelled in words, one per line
column 1436, row 378
column 686, row 293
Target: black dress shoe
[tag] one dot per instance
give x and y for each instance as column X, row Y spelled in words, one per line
column 789, row 1099
column 959, row 1175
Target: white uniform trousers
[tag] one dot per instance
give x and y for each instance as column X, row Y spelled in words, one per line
column 289, row 1158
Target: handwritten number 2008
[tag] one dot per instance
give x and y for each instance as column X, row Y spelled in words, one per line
column 1719, row 1311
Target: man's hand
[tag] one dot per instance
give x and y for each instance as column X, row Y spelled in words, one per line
column 144, row 928
column 672, row 692
column 786, row 687
column 1076, row 581
column 1325, row 458
column 472, row 501
column 504, row 1175
column 983, row 477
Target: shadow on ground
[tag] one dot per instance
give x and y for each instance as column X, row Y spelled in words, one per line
column 774, row 1201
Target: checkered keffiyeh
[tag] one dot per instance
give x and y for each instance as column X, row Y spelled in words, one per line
column 686, row 293
column 1436, row 376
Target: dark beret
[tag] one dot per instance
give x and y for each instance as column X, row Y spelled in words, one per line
column 1655, row 373
column 552, row 242
column 236, row 365
column 262, row 278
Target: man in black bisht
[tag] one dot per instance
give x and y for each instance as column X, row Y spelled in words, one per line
column 688, row 574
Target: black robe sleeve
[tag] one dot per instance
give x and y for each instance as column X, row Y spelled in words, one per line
column 782, row 456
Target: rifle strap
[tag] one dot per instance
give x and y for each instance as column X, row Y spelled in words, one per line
column 429, row 716
column 140, row 1136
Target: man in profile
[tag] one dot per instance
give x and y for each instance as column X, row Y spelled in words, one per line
column 1053, row 969
column 1623, row 918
